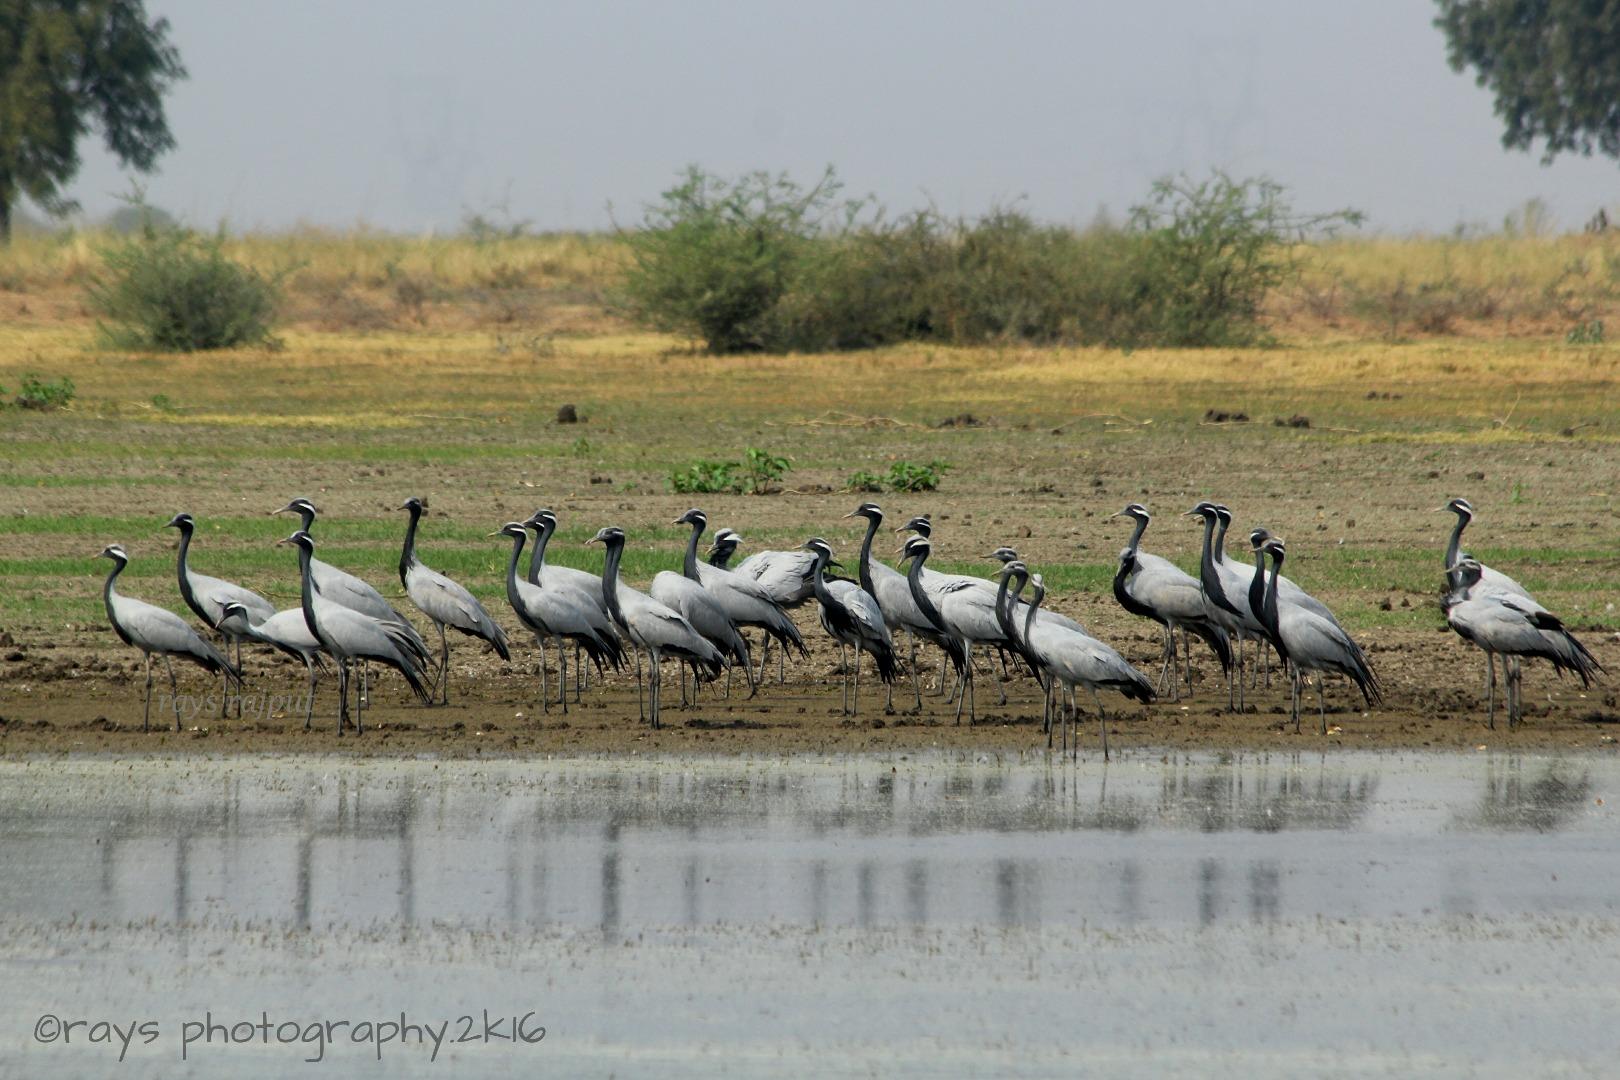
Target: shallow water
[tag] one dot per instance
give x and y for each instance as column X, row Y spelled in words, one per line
column 1253, row 915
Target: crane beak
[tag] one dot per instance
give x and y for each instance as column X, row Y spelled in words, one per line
column 591, row 541
column 497, row 532
column 284, row 541
column 850, row 514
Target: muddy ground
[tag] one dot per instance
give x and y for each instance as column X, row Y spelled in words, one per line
column 69, row 695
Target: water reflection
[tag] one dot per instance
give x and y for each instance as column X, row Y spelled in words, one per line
column 858, row 843
column 1541, row 798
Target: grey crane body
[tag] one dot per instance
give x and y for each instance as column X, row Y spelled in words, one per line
column 1487, row 579
column 559, row 612
column 784, row 575
column 960, row 614
column 351, row 637
column 1513, row 627
column 543, row 574
column 1226, row 598
column 352, row 592
column 706, row 615
column 1313, row 644
column 207, row 597
column 156, row 630
column 288, row 632
column 851, row 616
column 892, row 591
column 1067, row 657
column 444, row 602
column 650, row 625
column 745, row 602
column 1155, row 587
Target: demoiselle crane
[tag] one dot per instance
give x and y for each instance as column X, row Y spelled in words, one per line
column 651, row 626
column 938, row 584
column 288, row 632
column 1511, row 626
column 444, row 602
column 1489, row 580
column 207, row 597
column 785, row 576
column 1227, row 600
column 560, row 612
column 680, row 593
column 342, row 587
column 851, row 616
column 540, row 572
column 350, row 637
column 745, row 601
column 963, row 614
column 152, row 629
column 1157, row 589
column 1067, row 657
column 1313, row 644
column 892, row 590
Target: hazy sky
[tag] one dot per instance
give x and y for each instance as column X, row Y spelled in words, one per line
column 406, row 114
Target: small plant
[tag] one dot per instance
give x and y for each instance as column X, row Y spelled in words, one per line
column 705, row 478
column 163, row 403
column 1517, row 497
column 864, row 481
column 174, row 290
column 764, row 469
column 906, row 476
column 44, row 396
column 1586, row 333
column 582, row 447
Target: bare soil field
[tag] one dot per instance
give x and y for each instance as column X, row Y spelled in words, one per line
column 1342, row 447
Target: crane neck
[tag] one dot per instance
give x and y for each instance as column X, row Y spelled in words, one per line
column 537, row 554
column 1257, row 590
column 1034, row 609
column 306, row 590
column 920, row 596
column 610, row 578
column 306, row 519
column 818, row 578
column 1208, row 576
column 107, row 588
column 1220, row 541
column 511, row 572
column 722, row 555
column 872, row 524
column 1136, row 534
column 407, row 554
column 1004, row 610
column 184, row 566
column 689, row 566
column 1453, row 547
column 1272, row 619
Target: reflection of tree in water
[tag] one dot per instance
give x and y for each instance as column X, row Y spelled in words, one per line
column 1542, row 802
column 1226, row 797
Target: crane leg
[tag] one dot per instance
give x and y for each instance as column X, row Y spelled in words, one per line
column 444, row 667
column 580, row 674
column 764, row 656
column 545, row 694
column 146, row 716
column 1046, row 711
column 309, row 699
column 856, row 711
column 1165, row 683
column 1321, row 702
column 639, row 707
column 562, row 672
column 653, row 674
column 174, row 691
column 359, row 698
column 1490, row 690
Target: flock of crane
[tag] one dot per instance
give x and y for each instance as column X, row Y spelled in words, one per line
column 698, row 618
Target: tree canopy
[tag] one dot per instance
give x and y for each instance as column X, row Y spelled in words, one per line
column 1554, row 66
column 68, row 67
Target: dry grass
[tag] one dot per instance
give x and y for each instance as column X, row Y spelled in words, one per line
column 1355, row 288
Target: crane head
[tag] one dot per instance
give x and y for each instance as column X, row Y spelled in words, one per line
column 693, row 516
column 1003, row 555
column 1137, row 511
column 917, row 547
column 182, row 521
column 919, row 525
column 610, row 535
column 1461, row 507
column 869, row 510
column 414, row 505
column 115, row 552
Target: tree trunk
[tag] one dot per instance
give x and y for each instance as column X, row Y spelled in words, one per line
column 5, row 222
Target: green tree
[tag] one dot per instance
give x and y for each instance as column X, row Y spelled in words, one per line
column 68, row 67
column 1552, row 65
